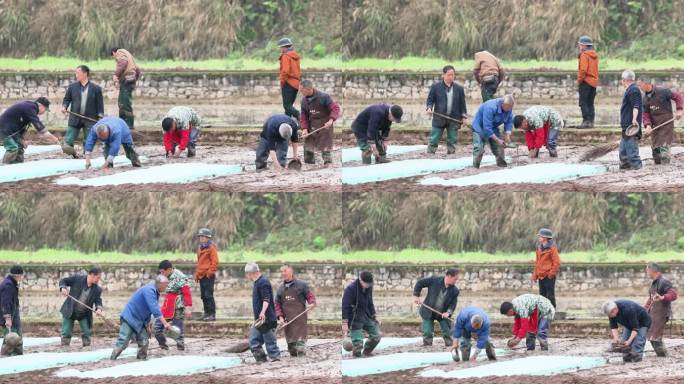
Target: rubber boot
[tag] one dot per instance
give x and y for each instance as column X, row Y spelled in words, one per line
column 659, row 348
column 530, row 339
column 489, row 350
column 427, row 341
column 192, row 150
column 477, row 159
column 259, row 355
column 115, row 353
column 85, row 340
column 370, row 345
column 465, row 354
column 357, row 349
column 448, row 341
column 500, row 157
column 301, row 350
column 292, row 348
column 656, row 156
column 544, row 345
column 309, row 157
column 161, row 339
column 366, row 157
column 9, row 157
column 66, row 341
column 451, row 149
column 180, row 346
column 534, row 153
column 327, row 157
column 20, row 156
column 382, row 159
column 132, row 156
column 553, row 152
column 431, row 149
column 142, row 352
column 69, row 150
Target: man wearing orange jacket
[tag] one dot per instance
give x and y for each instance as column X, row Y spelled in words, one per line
column 587, row 80
column 205, row 273
column 290, row 74
column 177, row 304
column 547, row 265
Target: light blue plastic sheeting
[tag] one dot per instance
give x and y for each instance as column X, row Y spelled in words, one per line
column 406, row 168
column 354, row 154
column 534, row 174
column 47, row 360
column 531, row 366
column 36, row 149
column 52, row 167
column 168, row 366
column 168, row 173
column 391, row 342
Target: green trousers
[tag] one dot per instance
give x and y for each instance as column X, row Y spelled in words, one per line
column 125, row 102
column 72, row 134
column 428, row 329
column 68, row 327
column 359, row 348
column 436, row 136
column 5, row 351
column 14, row 149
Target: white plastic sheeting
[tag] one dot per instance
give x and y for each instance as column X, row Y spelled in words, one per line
column 30, row 342
column 391, row 342
column 47, row 360
column 168, row 366
column 52, row 167
column 36, row 150
column 168, row 173
column 354, row 154
column 532, row 366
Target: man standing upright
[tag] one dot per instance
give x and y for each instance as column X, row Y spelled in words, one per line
column 658, row 113
column 446, row 98
column 290, row 302
column 177, row 304
column 12, row 343
column 319, row 112
column 205, row 273
column 265, row 323
column 661, row 294
column 85, row 99
column 290, row 74
column 126, row 75
column 13, row 124
column 85, row 289
column 358, row 315
column 442, row 297
column 489, row 73
column 587, row 79
column 547, row 265
column 630, row 122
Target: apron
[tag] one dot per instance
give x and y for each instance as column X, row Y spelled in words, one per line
column 660, row 311
column 660, row 110
column 318, row 116
column 293, row 306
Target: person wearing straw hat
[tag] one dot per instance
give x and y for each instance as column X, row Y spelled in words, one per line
column 291, row 308
column 205, row 272
column 546, row 265
column 84, row 98
column 14, row 122
column 85, row 289
column 10, row 320
column 290, row 74
column 177, row 304
column 359, row 316
column 439, row 304
column 658, row 113
column 264, row 329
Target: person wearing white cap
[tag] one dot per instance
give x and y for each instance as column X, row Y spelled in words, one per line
column 264, row 329
column 276, row 134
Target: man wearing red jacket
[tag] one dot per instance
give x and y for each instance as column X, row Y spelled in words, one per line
column 533, row 316
column 661, row 294
column 177, row 304
column 181, row 129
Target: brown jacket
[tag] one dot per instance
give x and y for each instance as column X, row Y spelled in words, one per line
column 290, row 72
column 207, row 262
column 487, row 64
column 588, row 68
column 547, row 264
column 126, row 68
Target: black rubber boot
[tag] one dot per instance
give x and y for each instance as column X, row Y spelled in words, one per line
column 530, row 339
column 427, row 341
column 500, row 157
column 259, row 355
column 544, row 345
column 370, row 345
column 465, row 354
column 115, row 353
column 477, row 159
column 192, row 151
column 431, row 149
column 659, row 348
column 489, row 350
column 451, row 149
column 327, row 157
column 448, row 341
column 382, row 159
column 86, row 341
column 66, row 341
column 553, row 152
column 366, row 157
column 309, row 157
column 142, row 352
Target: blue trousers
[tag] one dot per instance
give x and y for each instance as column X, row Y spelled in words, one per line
column 629, row 153
column 263, row 151
column 637, row 347
column 257, row 339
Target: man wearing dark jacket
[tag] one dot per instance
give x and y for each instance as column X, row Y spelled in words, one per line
column 319, row 112
column 358, row 315
column 9, row 309
column 13, row 124
column 86, row 290
column 630, row 118
column 661, row 294
column 373, row 125
column 276, row 134
column 446, row 98
column 265, row 322
column 85, row 98
column 635, row 320
column 442, row 296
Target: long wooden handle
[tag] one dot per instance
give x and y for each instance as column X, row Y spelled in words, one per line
column 83, row 117
column 293, row 319
column 312, row 132
column 106, row 320
column 663, row 124
column 446, row 117
column 435, row 311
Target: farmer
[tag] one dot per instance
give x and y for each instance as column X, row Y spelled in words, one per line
column 630, row 119
column 114, row 133
column 290, row 302
column 442, row 296
column 661, row 294
column 446, row 98
column 489, row 117
column 276, row 134
column 83, row 98
column 177, row 304
column 635, row 321
column 9, row 307
column 290, row 74
column 135, row 318
column 127, row 73
column 587, row 80
column 264, row 330
column 658, row 112
column 373, row 125
column 533, row 316
column 473, row 321
column 358, row 315
column 319, row 111
column 86, row 289
column 205, row 272
column 541, row 125
column 546, row 265
column 13, row 124
column 181, row 129
column 488, row 73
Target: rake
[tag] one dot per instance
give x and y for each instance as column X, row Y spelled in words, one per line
column 605, row 149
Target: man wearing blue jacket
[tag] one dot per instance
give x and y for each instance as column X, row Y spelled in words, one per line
column 489, row 117
column 631, row 112
column 135, row 318
column 439, row 304
column 358, row 315
column 114, row 133
column 276, row 134
column 373, row 125
column 264, row 330
column 13, row 125
column 473, row 321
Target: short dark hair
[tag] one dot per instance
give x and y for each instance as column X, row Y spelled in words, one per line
column 95, row 271
column 288, row 266
column 307, row 84
column 167, row 123
column 366, row 277
column 113, row 50
column 452, row 272
column 164, row 265
column 447, row 68
column 505, row 307
column 653, row 267
column 518, row 120
column 16, row 270
column 84, row 68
